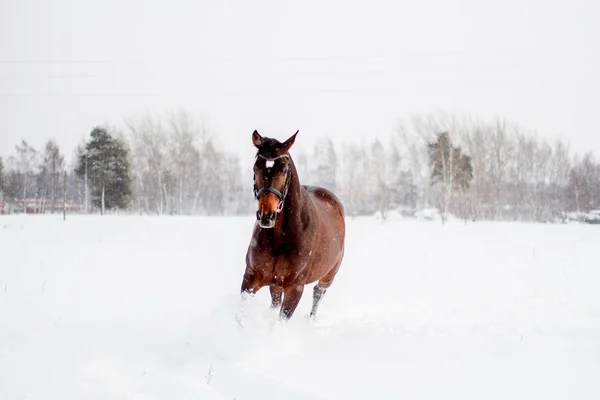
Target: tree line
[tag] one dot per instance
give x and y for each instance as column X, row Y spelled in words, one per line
column 466, row 167
column 470, row 168
column 33, row 173
column 516, row 175
column 157, row 166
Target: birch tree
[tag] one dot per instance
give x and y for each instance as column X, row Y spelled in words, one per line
column 26, row 160
column 149, row 140
column 51, row 169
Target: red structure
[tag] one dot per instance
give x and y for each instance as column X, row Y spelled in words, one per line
column 37, row 206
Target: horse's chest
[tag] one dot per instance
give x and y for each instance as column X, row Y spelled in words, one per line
column 279, row 265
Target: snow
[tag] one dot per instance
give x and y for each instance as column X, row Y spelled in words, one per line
column 391, row 215
column 149, row 308
column 431, row 214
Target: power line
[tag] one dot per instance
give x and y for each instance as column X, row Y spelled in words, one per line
column 397, row 55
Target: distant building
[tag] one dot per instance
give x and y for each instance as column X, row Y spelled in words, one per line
column 37, row 206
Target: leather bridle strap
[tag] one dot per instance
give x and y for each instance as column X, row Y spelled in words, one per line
column 270, row 189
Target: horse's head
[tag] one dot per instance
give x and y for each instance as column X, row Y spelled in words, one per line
column 272, row 170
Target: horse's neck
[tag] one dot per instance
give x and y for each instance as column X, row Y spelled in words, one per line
column 294, row 208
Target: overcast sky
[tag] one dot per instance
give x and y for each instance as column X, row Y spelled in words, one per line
column 324, row 67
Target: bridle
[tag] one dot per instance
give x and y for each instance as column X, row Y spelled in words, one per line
column 270, row 189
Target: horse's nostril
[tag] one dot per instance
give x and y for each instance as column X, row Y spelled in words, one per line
column 259, row 214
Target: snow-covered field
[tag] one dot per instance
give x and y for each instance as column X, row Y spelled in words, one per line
column 145, row 307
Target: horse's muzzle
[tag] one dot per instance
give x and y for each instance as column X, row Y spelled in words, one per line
column 266, row 219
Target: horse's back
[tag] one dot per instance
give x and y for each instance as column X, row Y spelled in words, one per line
column 321, row 195
column 330, row 212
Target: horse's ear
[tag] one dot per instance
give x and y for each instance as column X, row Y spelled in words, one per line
column 257, row 139
column 287, row 145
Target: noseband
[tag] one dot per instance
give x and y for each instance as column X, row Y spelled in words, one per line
column 270, row 189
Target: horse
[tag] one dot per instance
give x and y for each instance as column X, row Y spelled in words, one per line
column 299, row 232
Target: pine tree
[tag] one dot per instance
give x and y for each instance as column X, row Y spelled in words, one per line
column 108, row 170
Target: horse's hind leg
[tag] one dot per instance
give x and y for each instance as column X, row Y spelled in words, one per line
column 320, row 289
column 276, row 293
column 318, row 293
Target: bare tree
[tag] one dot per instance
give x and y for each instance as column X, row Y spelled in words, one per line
column 210, row 193
column 415, row 145
column 501, row 150
column 401, row 191
column 150, row 160
column 584, row 184
column 352, row 178
column 26, row 160
column 542, row 201
column 1, row 176
column 324, row 162
column 450, row 170
column 519, row 173
column 51, row 167
column 477, row 146
column 379, row 162
column 559, row 179
column 185, row 139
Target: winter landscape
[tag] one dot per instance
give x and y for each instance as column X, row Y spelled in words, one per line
column 139, row 153
column 145, row 308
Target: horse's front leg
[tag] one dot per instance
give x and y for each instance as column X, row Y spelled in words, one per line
column 276, row 293
column 291, row 298
column 251, row 283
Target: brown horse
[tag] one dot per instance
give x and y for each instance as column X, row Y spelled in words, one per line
column 299, row 234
